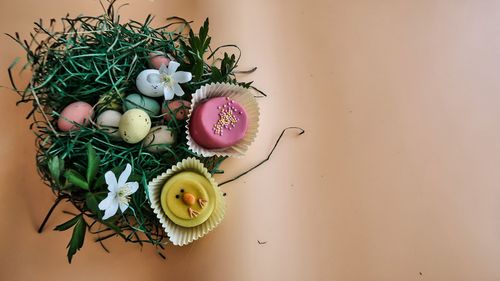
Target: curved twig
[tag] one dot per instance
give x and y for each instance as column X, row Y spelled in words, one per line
column 302, row 131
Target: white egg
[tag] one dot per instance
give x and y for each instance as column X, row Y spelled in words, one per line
column 149, row 84
column 158, row 139
column 108, row 121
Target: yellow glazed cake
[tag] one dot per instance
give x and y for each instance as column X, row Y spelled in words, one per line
column 188, row 199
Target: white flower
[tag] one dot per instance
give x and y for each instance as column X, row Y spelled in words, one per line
column 170, row 78
column 119, row 192
column 164, row 81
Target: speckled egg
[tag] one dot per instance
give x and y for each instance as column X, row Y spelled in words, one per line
column 156, row 59
column 157, row 138
column 108, row 121
column 78, row 112
column 178, row 108
column 149, row 105
column 134, row 125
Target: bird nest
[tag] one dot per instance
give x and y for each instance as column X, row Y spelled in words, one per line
column 95, row 60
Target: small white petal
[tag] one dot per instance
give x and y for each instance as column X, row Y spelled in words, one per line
column 110, row 211
column 168, row 93
column 123, row 207
column 104, row 204
column 153, row 78
column 172, row 67
column 163, row 69
column 182, row 76
column 111, row 180
column 124, row 176
column 133, row 186
column 178, row 90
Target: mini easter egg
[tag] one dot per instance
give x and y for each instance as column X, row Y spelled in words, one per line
column 78, row 112
column 108, row 121
column 149, row 84
column 134, row 125
column 156, row 59
column 157, row 138
column 110, row 100
column 177, row 108
column 149, row 105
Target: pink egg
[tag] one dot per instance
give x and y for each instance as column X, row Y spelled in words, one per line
column 157, row 59
column 178, row 107
column 79, row 112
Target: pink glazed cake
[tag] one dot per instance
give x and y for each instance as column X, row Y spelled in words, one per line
column 218, row 123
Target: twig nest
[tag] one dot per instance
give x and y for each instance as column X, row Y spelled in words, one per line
column 75, row 113
column 100, row 68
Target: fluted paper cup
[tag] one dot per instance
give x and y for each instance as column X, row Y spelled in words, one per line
column 245, row 98
column 179, row 235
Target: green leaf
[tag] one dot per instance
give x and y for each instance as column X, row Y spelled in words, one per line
column 68, row 224
column 91, row 203
column 56, row 166
column 75, row 178
column 204, row 30
column 99, row 183
column 198, row 45
column 216, row 75
column 77, row 238
column 93, row 164
column 198, row 70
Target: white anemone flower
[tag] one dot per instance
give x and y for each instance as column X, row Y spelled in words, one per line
column 119, row 192
column 170, row 78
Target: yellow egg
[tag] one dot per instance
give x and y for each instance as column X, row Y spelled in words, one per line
column 111, row 100
column 134, row 125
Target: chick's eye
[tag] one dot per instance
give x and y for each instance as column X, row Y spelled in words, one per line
column 177, row 196
column 182, row 190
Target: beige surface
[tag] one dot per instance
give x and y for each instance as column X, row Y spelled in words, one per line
column 397, row 178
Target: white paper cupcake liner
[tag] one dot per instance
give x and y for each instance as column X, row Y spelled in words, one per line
column 179, row 235
column 245, row 98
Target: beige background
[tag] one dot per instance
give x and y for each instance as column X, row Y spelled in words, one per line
column 397, row 177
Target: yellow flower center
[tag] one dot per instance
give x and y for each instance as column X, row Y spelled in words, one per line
column 167, row 79
column 124, row 194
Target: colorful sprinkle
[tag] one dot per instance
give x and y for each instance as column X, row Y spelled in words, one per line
column 227, row 119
